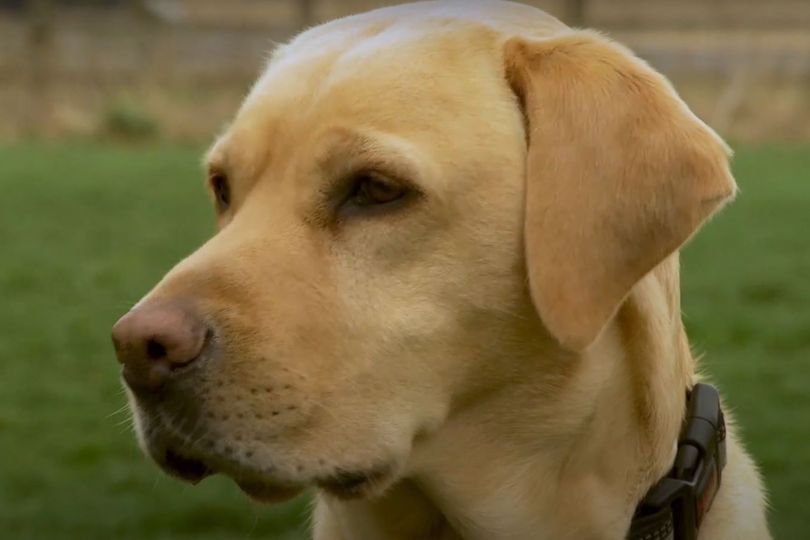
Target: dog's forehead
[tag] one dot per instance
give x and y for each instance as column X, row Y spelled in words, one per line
column 415, row 59
column 400, row 38
column 372, row 56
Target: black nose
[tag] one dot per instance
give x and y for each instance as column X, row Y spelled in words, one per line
column 153, row 340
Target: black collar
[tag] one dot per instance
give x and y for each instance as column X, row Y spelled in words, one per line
column 674, row 508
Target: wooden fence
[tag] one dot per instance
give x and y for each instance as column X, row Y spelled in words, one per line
column 61, row 63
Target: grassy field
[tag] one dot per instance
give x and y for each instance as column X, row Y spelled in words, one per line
column 85, row 230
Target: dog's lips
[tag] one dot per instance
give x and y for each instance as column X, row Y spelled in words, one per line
column 193, row 470
column 185, row 468
column 344, row 484
column 355, row 484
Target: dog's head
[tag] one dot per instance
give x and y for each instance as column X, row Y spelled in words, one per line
column 405, row 199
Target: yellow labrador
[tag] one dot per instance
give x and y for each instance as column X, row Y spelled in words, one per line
column 445, row 286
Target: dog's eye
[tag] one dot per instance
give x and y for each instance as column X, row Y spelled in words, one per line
column 373, row 189
column 222, row 191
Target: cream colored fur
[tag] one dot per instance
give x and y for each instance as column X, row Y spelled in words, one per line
column 508, row 348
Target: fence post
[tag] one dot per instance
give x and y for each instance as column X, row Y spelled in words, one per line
column 150, row 64
column 40, row 16
column 306, row 13
column 575, row 12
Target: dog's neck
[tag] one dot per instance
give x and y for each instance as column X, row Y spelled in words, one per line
column 598, row 429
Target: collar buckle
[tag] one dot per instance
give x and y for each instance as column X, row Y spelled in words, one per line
column 675, row 506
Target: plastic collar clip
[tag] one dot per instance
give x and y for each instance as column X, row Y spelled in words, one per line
column 684, row 496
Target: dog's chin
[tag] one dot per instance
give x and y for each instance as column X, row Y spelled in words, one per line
column 268, row 493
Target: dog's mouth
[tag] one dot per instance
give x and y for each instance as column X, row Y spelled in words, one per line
column 343, row 484
column 184, row 468
column 355, row 484
column 195, row 470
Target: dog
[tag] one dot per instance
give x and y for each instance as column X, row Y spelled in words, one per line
column 444, row 289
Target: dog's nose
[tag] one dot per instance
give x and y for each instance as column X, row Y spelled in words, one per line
column 153, row 341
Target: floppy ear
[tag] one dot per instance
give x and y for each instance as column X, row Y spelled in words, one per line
column 619, row 175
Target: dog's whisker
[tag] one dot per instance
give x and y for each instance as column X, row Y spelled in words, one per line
column 126, row 422
column 123, row 408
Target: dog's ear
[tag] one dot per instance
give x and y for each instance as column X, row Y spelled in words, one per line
column 619, row 175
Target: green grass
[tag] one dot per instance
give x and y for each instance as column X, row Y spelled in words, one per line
column 86, row 229
column 746, row 303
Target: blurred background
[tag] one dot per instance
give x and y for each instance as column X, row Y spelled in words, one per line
column 105, row 109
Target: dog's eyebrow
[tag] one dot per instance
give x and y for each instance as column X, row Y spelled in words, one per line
column 349, row 150
column 215, row 160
